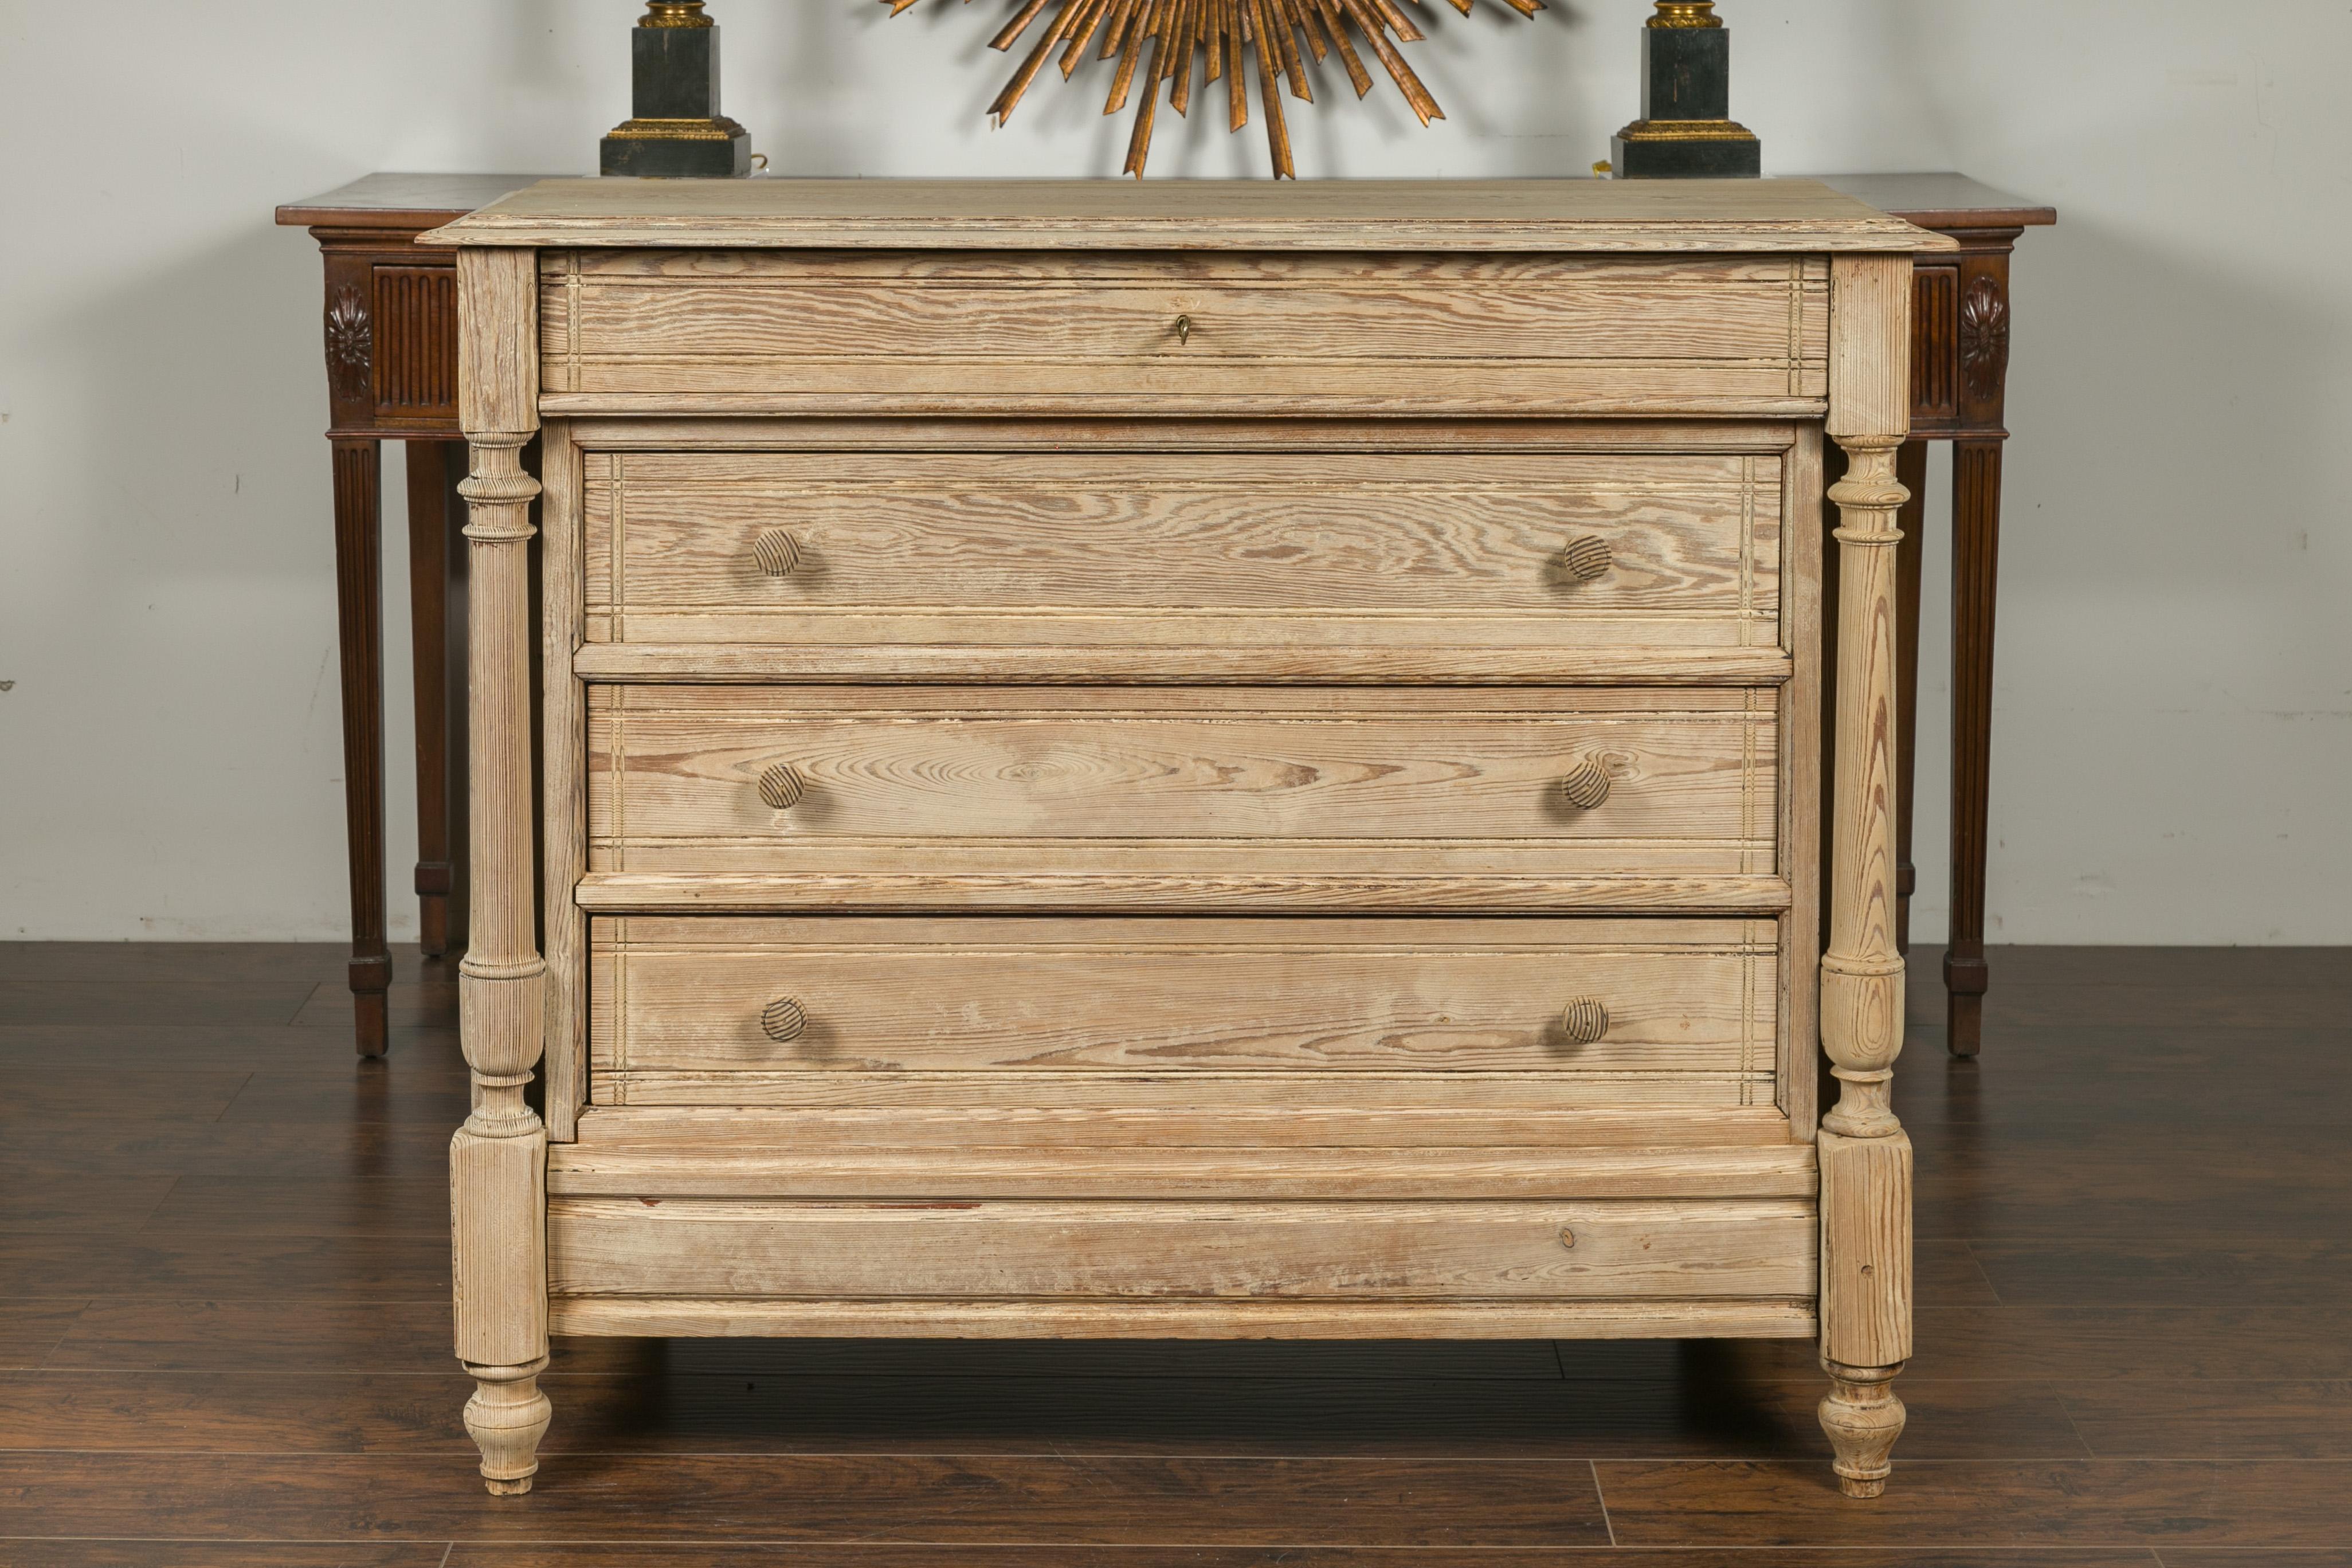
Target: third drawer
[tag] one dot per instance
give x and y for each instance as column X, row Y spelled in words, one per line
column 885, row 1010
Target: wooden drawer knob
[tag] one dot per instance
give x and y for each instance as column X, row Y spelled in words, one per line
column 1586, row 558
column 1585, row 784
column 781, row 786
column 778, row 552
column 783, row 1020
column 1584, row 1021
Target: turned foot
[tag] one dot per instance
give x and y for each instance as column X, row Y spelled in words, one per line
column 507, row 1418
column 1862, row 1419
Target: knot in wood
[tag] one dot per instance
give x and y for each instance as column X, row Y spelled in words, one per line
column 783, row 1020
column 777, row 553
column 1586, row 558
column 781, row 786
column 1585, row 784
column 1584, row 1021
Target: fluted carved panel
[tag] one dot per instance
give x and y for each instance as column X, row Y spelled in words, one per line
column 417, row 333
column 1934, row 357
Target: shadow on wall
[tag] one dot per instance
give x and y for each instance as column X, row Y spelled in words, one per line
column 2172, row 450
column 192, row 590
column 1338, row 136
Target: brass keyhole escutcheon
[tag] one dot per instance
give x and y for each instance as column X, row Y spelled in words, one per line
column 1184, row 330
column 1567, row 1237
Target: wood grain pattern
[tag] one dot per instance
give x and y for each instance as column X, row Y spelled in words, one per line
column 721, row 1132
column 1173, row 333
column 1652, row 1318
column 1707, row 216
column 1444, row 997
column 1400, row 659
column 1801, row 796
column 563, row 811
column 909, row 543
column 611, row 1163
column 1052, row 781
column 1108, row 1250
column 1305, row 881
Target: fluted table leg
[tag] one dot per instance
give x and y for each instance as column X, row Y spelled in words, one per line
column 358, row 594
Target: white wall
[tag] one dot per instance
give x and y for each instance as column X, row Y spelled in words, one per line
column 2174, row 727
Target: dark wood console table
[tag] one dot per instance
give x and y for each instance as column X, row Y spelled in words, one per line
column 391, row 326
column 1959, row 380
column 390, row 331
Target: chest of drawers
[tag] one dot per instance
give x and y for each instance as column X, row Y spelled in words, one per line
column 1182, row 761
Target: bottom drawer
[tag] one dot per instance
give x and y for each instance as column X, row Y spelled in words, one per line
column 965, row 1250
column 1257, row 1013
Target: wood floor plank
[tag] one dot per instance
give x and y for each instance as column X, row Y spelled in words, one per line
column 2073, row 1343
column 246, row 1047
column 156, row 1001
column 1986, row 1504
column 30, row 1330
column 163, row 962
column 424, row 1097
column 2132, row 1272
column 629, row 1412
column 2170, row 1419
column 345, row 1333
column 38, row 1095
column 2134, row 1076
column 190, row 1264
column 37, row 1200
column 261, row 1152
column 2009, row 1183
column 218, row 1554
column 2174, row 1557
column 429, row 1004
column 324, row 1206
column 1106, row 1502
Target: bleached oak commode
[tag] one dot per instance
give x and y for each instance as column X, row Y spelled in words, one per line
column 1182, row 761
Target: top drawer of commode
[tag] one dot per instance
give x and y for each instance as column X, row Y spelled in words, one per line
column 1182, row 333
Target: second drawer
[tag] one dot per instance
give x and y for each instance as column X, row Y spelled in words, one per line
column 753, row 780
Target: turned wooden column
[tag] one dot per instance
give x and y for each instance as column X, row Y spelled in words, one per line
column 1959, row 375
column 497, row 1162
column 1865, row 1159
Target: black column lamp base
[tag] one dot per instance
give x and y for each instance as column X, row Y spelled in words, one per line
column 1685, row 132
column 675, row 129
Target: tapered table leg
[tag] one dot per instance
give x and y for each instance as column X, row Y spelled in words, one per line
column 359, row 591
column 438, row 663
column 1911, row 473
column 1976, row 553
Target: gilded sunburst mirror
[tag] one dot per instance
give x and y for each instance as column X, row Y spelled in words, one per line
column 1191, row 46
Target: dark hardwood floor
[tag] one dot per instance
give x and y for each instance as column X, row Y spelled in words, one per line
column 225, row 1332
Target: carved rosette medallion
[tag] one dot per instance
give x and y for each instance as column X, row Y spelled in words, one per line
column 350, row 343
column 1984, row 339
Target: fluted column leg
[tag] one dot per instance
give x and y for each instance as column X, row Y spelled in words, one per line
column 1865, row 1159
column 497, row 1162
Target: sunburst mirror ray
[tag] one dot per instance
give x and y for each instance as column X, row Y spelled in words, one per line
column 1193, row 44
